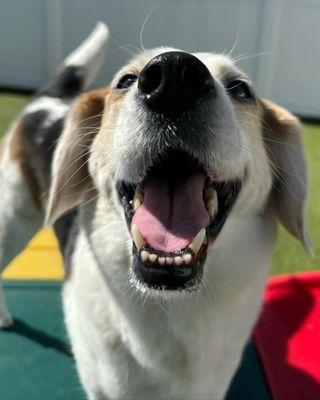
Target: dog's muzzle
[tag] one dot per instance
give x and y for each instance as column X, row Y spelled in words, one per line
column 174, row 82
column 177, row 209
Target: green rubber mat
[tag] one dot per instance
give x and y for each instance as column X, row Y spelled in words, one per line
column 35, row 358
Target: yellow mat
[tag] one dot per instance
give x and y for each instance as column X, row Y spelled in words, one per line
column 40, row 260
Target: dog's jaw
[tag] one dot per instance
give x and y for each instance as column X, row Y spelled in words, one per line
column 170, row 241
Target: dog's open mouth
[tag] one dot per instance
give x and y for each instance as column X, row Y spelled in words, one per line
column 172, row 216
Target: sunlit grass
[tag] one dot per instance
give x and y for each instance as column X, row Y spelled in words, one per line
column 289, row 255
column 10, row 105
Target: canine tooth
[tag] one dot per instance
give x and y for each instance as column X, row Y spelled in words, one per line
column 145, row 256
column 153, row 258
column 136, row 204
column 209, row 193
column 169, row 260
column 197, row 241
column 178, row 260
column 212, row 209
column 212, row 205
column 161, row 260
column 138, row 198
column 187, row 258
column 137, row 237
column 139, row 194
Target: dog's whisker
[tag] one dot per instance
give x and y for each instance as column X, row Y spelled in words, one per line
column 229, row 54
column 126, row 48
column 144, row 24
column 87, row 202
column 250, row 56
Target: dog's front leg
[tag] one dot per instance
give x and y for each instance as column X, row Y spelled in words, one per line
column 20, row 216
column 5, row 317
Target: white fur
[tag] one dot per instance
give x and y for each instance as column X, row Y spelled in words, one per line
column 90, row 54
column 127, row 346
column 55, row 108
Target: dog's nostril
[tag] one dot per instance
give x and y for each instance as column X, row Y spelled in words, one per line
column 151, row 79
column 188, row 75
column 191, row 78
column 195, row 79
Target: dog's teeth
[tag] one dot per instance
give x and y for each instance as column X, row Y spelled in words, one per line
column 187, row 258
column 161, row 260
column 136, row 204
column 139, row 194
column 209, row 194
column 169, row 260
column 138, row 198
column 137, row 237
column 197, row 241
column 178, row 260
column 212, row 208
column 153, row 258
column 144, row 256
column 212, row 203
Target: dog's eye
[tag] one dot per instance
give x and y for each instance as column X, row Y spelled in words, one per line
column 126, row 81
column 239, row 90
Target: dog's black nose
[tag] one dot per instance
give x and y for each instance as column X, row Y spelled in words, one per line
column 174, row 82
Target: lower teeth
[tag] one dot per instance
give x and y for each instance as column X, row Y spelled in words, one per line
column 178, row 260
column 153, row 258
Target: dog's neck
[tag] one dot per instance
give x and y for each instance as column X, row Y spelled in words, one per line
column 209, row 316
column 143, row 321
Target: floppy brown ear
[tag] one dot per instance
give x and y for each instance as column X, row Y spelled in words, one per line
column 282, row 135
column 70, row 176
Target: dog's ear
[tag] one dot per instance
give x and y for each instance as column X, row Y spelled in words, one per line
column 282, row 136
column 70, row 175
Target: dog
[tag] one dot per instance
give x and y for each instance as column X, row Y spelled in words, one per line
column 164, row 190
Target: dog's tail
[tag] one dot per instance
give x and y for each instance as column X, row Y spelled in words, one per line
column 81, row 67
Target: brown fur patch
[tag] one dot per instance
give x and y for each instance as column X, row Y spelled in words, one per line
column 282, row 134
column 277, row 120
column 17, row 154
column 72, row 180
column 280, row 128
column 92, row 103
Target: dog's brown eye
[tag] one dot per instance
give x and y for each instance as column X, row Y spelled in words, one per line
column 239, row 90
column 126, row 81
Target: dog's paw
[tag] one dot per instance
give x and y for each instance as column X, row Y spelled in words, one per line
column 6, row 321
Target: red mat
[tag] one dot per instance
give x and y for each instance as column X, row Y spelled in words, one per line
column 287, row 336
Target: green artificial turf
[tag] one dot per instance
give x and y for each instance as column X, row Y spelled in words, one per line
column 289, row 255
column 36, row 361
column 35, row 357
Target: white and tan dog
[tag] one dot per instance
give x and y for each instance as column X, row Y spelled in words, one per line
column 165, row 191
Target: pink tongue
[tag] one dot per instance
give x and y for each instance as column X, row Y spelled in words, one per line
column 172, row 215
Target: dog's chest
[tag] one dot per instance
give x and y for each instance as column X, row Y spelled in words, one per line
column 128, row 348
column 125, row 356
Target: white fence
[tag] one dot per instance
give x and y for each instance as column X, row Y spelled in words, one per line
column 279, row 39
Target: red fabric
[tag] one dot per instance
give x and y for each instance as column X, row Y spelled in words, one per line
column 287, row 336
